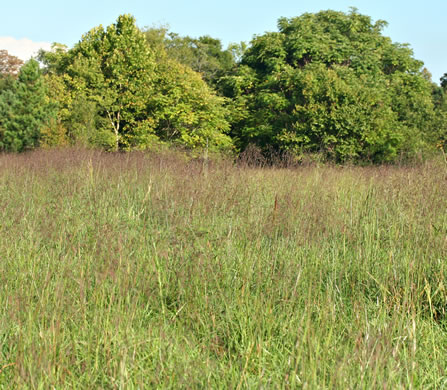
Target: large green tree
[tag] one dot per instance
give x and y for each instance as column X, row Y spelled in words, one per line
column 24, row 110
column 112, row 69
column 331, row 82
column 131, row 94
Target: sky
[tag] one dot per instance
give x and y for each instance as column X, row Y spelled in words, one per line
column 28, row 25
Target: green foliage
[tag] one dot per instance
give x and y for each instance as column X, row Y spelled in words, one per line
column 113, row 69
column 331, row 82
column 204, row 55
column 24, row 110
column 120, row 92
column 440, row 100
column 6, row 82
column 187, row 112
column 78, row 120
column 327, row 83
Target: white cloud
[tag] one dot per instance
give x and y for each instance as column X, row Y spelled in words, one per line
column 22, row 48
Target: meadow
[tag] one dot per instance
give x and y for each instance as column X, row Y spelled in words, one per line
column 139, row 270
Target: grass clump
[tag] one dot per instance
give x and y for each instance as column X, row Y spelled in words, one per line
column 141, row 270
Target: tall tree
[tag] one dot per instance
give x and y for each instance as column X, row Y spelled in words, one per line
column 135, row 90
column 331, row 82
column 24, row 110
column 114, row 68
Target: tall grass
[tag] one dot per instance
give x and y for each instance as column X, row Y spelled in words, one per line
column 144, row 271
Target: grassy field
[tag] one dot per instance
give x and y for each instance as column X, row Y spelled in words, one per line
column 142, row 271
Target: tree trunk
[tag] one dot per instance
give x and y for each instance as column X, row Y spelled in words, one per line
column 116, row 128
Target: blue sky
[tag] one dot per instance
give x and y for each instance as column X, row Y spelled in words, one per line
column 37, row 23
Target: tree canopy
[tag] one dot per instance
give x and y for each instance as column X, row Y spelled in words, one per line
column 140, row 95
column 328, row 83
column 204, row 55
column 331, row 82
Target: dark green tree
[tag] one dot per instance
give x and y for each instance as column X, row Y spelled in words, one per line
column 330, row 82
column 440, row 99
column 443, row 81
column 24, row 110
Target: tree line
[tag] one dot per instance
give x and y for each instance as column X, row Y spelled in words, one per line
column 327, row 83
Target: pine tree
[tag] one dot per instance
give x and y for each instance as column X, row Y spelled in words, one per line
column 24, row 110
